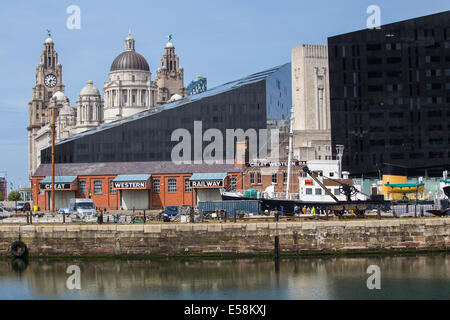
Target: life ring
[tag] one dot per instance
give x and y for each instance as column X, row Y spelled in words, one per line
column 18, row 249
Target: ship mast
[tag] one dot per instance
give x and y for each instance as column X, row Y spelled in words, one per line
column 291, row 137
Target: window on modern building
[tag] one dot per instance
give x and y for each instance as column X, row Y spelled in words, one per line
column 172, row 185
column 318, row 192
column 156, row 185
column 111, row 187
column 98, row 187
column 274, row 178
column 252, row 178
column 187, row 185
column 82, row 187
column 309, row 191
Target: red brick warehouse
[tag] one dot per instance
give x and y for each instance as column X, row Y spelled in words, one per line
column 138, row 185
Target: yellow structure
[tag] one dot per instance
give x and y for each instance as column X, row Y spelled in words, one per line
column 396, row 187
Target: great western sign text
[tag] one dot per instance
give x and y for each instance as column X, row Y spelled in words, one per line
column 129, row 185
column 58, row 186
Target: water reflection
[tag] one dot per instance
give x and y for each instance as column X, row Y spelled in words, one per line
column 411, row 277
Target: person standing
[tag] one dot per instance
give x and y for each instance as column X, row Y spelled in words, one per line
column 313, row 210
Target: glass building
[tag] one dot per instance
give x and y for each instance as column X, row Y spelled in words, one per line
column 247, row 103
column 197, row 86
column 390, row 96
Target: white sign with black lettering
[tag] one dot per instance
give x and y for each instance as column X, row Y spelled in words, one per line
column 129, row 185
column 58, row 186
column 207, row 184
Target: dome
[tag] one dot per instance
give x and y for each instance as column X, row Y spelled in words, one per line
column 49, row 40
column 66, row 110
column 59, row 96
column 130, row 60
column 175, row 97
column 169, row 45
column 90, row 90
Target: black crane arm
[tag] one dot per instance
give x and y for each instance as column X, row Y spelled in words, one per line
column 327, row 191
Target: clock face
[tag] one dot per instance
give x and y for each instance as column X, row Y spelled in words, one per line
column 50, row 80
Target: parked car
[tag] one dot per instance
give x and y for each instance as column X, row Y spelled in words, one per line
column 169, row 213
column 23, row 206
column 82, row 208
column 4, row 214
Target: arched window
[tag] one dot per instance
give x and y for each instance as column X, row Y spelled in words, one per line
column 91, row 113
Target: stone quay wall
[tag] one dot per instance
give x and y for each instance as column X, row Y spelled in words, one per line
column 229, row 239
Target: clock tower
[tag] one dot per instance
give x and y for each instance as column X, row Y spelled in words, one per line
column 48, row 82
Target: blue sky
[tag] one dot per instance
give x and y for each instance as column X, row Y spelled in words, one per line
column 222, row 40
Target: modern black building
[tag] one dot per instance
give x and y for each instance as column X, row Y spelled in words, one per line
column 390, row 96
column 247, row 103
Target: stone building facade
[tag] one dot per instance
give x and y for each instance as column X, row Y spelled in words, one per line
column 129, row 90
column 170, row 77
column 48, row 82
column 311, row 102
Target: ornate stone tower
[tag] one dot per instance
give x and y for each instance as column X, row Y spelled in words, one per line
column 129, row 89
column 169, row 78
column 89, row 109
column 48, row 81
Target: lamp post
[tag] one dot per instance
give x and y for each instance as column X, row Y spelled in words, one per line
column 340, row 153
column 57, row 97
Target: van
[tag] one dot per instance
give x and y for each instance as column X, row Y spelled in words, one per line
column 82, row 208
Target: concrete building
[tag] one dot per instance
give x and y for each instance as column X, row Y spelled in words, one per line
column 311, row 103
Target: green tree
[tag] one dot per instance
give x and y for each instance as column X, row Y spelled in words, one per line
column 14, row 196
column 2, row 197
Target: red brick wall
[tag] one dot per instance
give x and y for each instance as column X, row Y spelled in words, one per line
column 266, row 178
column 111, row 201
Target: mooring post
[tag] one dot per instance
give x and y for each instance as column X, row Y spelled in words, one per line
column 28, row 218
column 277, row 247
column 379, row 213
